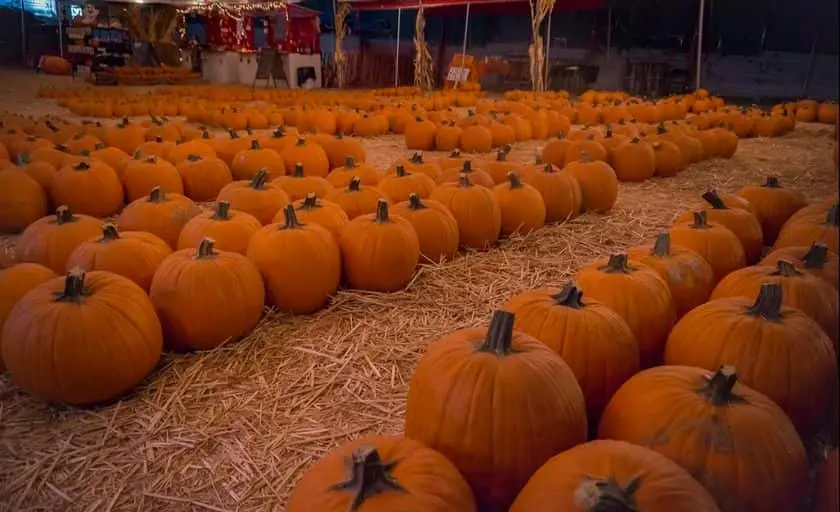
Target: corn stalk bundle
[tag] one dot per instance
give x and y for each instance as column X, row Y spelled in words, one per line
column 536, row 53
column 341, row 13
column 423, row 78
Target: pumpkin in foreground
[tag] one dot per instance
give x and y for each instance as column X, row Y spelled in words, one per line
column 735, row 441
column 612, row 476
column 82, row 339
column 50, row 240
column 382, row 473
column 15, row 282
column 476, row 210
column 436, row 228
column 522, row 206
column 231, row 230
column 161, row 213
column 497, row 403
column 773, row 204
column 715, row 243
column 816, row 260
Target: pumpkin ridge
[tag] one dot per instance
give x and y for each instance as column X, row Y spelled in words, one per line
column 369, row 475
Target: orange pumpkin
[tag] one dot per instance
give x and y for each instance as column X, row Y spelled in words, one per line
column 247, row 162
column 90, row 187
column 598, row 184
column 634, row 160
column 311, row 156
column 312, row 209
column 816, row 260
column 417, row 164
column 367, row 173
column 773, row 205
column 203, row 177
column 399, row 186
column 668, row 159
column 522, row 206
column 50, row 240
column 476, row 210
column 477, row 175
column 22, row 200
column 420, row 135
column 15, row 282
column 231, row 230
column 499, row 166
column 142, row 175
column 160, row 213
column 560, row 192
column 356, row 199
column 716, row 244
column 298, row 185
column 256, row 197
column 799, row 232
column 436, row 228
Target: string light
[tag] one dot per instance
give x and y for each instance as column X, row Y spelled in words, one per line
column 237, row 10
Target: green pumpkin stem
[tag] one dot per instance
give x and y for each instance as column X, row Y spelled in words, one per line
column 700, row 220
column 110, row 232
column 772, row 182
column 816, row 257
column 355, row 184
column 414, row 202
column 570, row 296
column 714, row 200
column 222, row 211
column 310, row 202
column 63, row 215
column 617, row 264
column 291, row 220
column 499, row 338
column 259, row 179
column 382, row 212
column 768, row 305
column 298, row 172
column 369, row 475
column 74, row 287
column 157, row 195
column 400, row 172
column 719, row 387
column 205, row 249
column 607, row 495
column 514, row 180
column 662, row 245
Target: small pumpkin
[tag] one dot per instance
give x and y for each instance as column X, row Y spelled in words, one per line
column 22, row 201
column 734, row 440
column 203, row 177
column 15, row 282
column 634, row 160
column 114, row 157
column 379, row 252
column 247, row 162
column 495, row 373
column 312, row 156
column 367, row 173
column 591, row 338
column 590, row 147
column 417, row 164
column 448, row 137
column 298, row 185
column 499, row 166
column 773, row 205
column 779, row 351
column 157, row 148
column 436, row 228
column 668, row 159
column 598, row 184
column 420, row 135
column 231, row 230
column 90, row 187
column 206, row 297
column 300, row 263
column 806, row 230
column 356, row 199
column 522, row 206
column 314, row 210
column 554, row 152
column 257, row 197
column 476, row 139
column 144, row 174
column 200, row 147
column 715, row 243
column 75, row 326
column 393, row 473
column 477, row 175
column 341, row 148
column 560, row 192
column 160, row 213
column 50, row 240
column 476, row 210
column 816, row 260
column 399, row 186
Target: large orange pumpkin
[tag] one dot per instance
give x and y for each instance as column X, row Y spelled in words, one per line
column 399, row 186
column 356, row 199
column 475, row 209
column 311, row 156
column 524, row 403
column 320, row 211
column 257, row 197
column 436, row 228
column 522, row 206
column 50, row 240
column 598, row 184
column 773, row 205
column 15, row 282
column 142, row 175
column 90, row 187
column 560, row 192
column 735, row 441
column 816, row 260
column 247, row 162
column 807, row 230
column 715, row 243
column 298, row 185
column 203, row 177
column 231, row 230
column 68, row 340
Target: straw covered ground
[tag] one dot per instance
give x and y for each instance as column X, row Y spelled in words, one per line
column 233, row 429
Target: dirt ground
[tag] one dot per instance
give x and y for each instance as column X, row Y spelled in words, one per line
column 232, row 429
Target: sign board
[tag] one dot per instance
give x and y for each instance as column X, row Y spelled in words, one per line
column 458, row 74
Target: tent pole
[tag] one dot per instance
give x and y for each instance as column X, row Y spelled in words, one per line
column 548, row 46
column 609, row 33
column 804, row 92
column 23, row 32
column 60, row 7
column 397, row 55
column 699, row 68
column 464, row 45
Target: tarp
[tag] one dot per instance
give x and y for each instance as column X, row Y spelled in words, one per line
column 495, row 5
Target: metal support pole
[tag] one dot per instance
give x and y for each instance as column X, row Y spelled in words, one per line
column 464, row 45
column 60, row 8
column 23, row 32
column 804, row 92
column 699, row 68
column 609, row 33
column 548, row 46
column 397, row 56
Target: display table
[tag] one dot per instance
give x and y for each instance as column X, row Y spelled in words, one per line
column 295, row 61
column 220, row 67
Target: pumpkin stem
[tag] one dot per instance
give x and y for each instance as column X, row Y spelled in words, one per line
column 232, row 134
column 719, row 387
column 157, row 195
column 456, row 153
column 74, row 287
column 467, row 166
column 464, row 180
column 606, row 495
column 538, row 160
column 349, row 163
column 355, row 184
column 768, row 305
column 833, row 217
column 301, row 142
column 570, row 296
column 158, row 140
column 82, row 166
column 501, row 156
column 63, row 215
column 369, row 476
column 584, row 157
column 278, row 133
column 298, row 172
column 109, row 232
column 255, row 144
column 499, row 338
column 414, row 202
column 772, row 182
column 816, row 257
column 617, row 264
column 205, row 249
column 662, row 245
column 291, row 218
column 205, row 135
column 222, row 211
column 62, row 148
column 401, row 172
column 98, row 146
column 661, row 130
column 514, row 180
column 193, row 158
column 310, row 202
column 259, row 179
column 714, row 200
column 786, row 269
column 382, row 212
column 700, row 220
column 416, row 158
column 507, row 148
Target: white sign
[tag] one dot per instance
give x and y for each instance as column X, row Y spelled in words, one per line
column 457, row 74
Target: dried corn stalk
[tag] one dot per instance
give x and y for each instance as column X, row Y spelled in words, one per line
column 341, row 13
column 539, row 9
column 423, row 78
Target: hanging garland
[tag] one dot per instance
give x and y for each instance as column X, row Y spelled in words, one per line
column 341, row 13
column 536, row 52
column 423, row 78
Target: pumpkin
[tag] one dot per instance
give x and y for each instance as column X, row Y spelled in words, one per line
column 522, row 206
column 163, row 129
column 779, row 351
column 498, row 167
column 827, row 498
column 420, row 135
column 598, row 184
column 50, row 240
column 587, row 148
column 773, row 205
column 476, row 175
column 126, row 136
column 279, row 140
column 203, row 177
column 816, row 260
column 606, row 474
column 690, row 278
column 560, row 192
column 206, row 297
column 356, row 199
column 390, row 473
column 476, row 139
column 591, row 338
column 454, row 159
column 81, row 339
column 15, row 282
column 90, row 187
column 805, row 231
column 734, row 440
column 341, row 148
column 448, row 137
column 515, row 388
column 668, row 159
column 554, row 152
column 39, row 170
column 297, row 186
column 634, row 160
column 476, row 210
column 312, row 156
column 300, row 263
column 800, row 290
column 715, row 243
column 56, row 156
column 400, row 185
column 367, row 173
column 319, row 211
column 417, row 164
column 226, row 149
column 115, row 158
column 247, row 162
column 639, row 295
column 82, row 144
column 256, row 197
column 742, row 223
column 436, row 228
column 379, row 252
column 22, row 201
column 198, row 147
column 231, row 230
column 160, row 213
column 157, row 148
column 142, row 175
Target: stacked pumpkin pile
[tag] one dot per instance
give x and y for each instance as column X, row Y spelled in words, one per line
column 648, row 382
